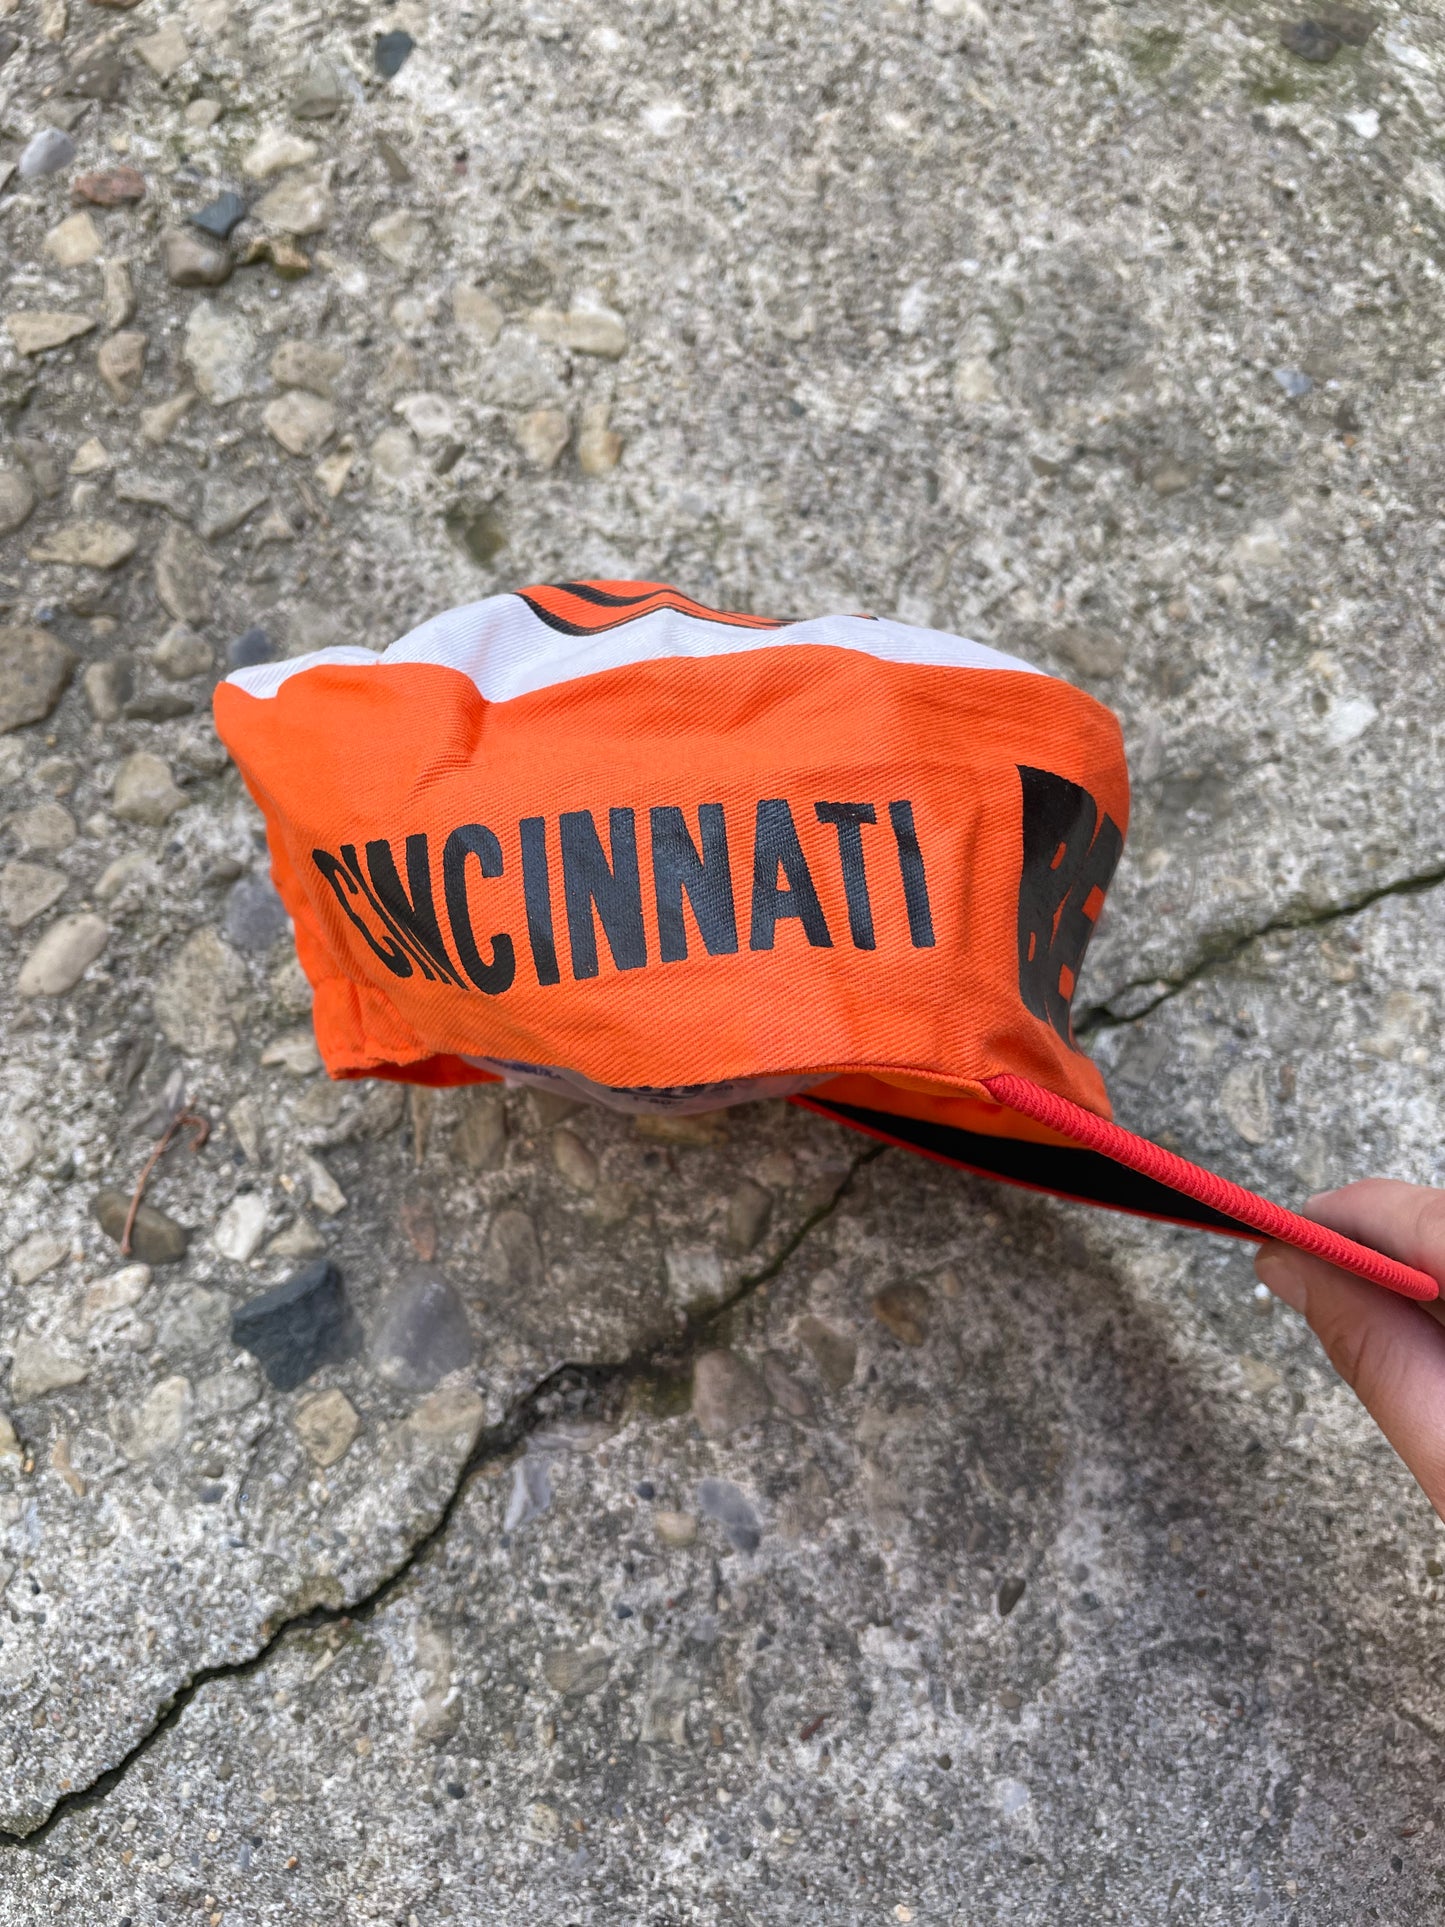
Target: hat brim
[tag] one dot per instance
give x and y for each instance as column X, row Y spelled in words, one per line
column 1103, row 1164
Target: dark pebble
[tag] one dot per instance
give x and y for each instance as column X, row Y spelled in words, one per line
column 456, row 1789
column 645, row 1489
column 1350, row 24
column 622, row 1612
column 155, row 1239
column 158, row 706
column 720, row 1499
column 249, row 649
column 1009, row 1595
column 218, row 217
column 299, row 1327
column 101, row 78
column 391, row 53
column 255, row 916
column 1309, row 41
column 211, row 1494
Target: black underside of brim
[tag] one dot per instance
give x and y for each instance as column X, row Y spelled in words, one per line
column 1066, row 1171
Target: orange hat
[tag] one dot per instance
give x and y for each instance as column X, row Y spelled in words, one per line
column 597, row 836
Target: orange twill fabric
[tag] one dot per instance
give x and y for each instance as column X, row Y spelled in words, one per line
column 386, row 760
column 597, row 835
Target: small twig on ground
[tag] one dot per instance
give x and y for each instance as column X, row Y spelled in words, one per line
column 202, row 1130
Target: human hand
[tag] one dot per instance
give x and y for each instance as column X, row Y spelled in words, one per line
column 1390, row 1351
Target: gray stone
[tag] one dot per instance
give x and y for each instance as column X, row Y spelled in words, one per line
column 301, row 423
column 34, row 670
column 28, row 890
column 156, row 1237
column 784, row 1389
column 274, row 152
column 905, row 1311
column 195, row 1320
column 181, row 654
column 253, row 646
column 121, row 363
column 296, row 206
column 515, row 1252
column 241, row 1226
column 720, row 1499
column 586, row 331
column 218, row 217
column 542, row 435
column 158, row 706
column 1309, row 40
column 749, row 1209
column 45, row 829
column 191, row 261
column 480, row 1139
column 476, row 314
column 531, row 1493
column 45, row 153
column 576, row 1671
column 185, row 577
column 39, row 1365
column 301, row 1325
column 727, row 1394
column 255, row 915
column 41, row 1252
column 307, row 364
column 155, row 491
column 145, row 791
column 400, row 237
column 160, row 1423
column 117, row 295
column 61, row 957
column 220, row 351
column 834, row 1352
column 390, row 52
column 420, row 1332
column 198, row 995
column 317, row 92
column 674, row 1529
column 574, row 1160
column 328, row 1425
column 17, row 499
column 225, row 506
column 108, row 688
column 86, row 545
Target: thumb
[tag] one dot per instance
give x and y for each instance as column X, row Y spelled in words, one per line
column 1390, row 1352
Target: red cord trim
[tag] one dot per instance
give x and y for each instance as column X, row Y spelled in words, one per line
column 1153, row 1161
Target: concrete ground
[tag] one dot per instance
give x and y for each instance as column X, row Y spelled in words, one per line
column 720, row 1521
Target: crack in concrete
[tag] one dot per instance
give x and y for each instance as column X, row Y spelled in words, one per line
column 568, row 1390
column 1100, row 1017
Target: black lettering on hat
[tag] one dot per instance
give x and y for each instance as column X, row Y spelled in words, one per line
column 775, row 847
column 537, row 895
column 707, row 879
column 915, row 880
column 415, row 950
column 848, row 820
column 614, row 887
column 342, row 887
column 1071, row 851
column 414, row 916
column 475, row 840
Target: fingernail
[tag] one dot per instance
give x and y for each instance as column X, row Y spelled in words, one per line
column 1277, row 1271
